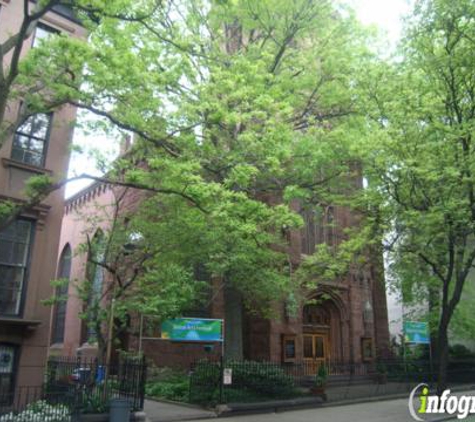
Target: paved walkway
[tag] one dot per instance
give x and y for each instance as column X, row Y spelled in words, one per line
column 168, row 412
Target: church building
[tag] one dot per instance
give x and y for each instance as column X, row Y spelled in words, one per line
column 341, row 321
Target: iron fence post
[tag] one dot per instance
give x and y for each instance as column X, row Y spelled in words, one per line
column 221, row 375
column 143, row 382
column 76, row 413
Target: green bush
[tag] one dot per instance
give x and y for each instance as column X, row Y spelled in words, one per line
column 321, row 377
column 204, row 383
column 96, row 400
column 251, row 381
column 459, row 351
column 172, row 386
column 263, row 378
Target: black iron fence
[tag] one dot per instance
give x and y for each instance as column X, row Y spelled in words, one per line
column 75, row 386
column 234, row 381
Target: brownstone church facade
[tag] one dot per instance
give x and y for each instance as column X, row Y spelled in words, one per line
column 344, row 320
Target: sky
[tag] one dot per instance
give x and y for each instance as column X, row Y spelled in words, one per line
column 385, row 14
column 84, row 160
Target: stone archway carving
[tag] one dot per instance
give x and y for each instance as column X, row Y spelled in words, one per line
column 332, row 295
column 328, row 315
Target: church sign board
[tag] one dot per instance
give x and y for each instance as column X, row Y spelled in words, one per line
column 192, row 329
column 416, row 332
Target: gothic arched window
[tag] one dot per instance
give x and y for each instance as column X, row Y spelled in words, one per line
column 315, row 315
column 312, row 231
column 59, row 315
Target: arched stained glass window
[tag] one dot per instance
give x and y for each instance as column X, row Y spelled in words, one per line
column 59, row 316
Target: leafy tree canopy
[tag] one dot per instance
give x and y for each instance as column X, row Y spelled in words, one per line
column 241, row 112
column 419, row 159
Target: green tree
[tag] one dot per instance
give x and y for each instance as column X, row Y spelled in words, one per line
column 255, row 96
column 126, row 275
column 419, row 159
column 55, row 72
column 51, row 74
column 242, row 111
column 259, row 110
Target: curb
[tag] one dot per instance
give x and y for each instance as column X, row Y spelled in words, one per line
column 278, row 407
column 268, row 407
column 182, row 418
column 178, row 403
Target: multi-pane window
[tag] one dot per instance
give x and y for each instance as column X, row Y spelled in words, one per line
column 59, row 317
column 7, row 372
column 95, row 298
column 199, row 308
column 29, row 143
column 42, row 32
column 312, row 231
column 319, row 227
column 14, row 253
column 315, row 315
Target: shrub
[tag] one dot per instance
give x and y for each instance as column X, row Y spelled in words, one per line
column 204, row 383
column 96, row 400
column 321, row 377
column 263, row 378
column 459, row 351
column 251, row 381
column 169, row 385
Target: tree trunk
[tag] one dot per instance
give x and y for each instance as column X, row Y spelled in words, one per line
column 443, row 353
column 3, row 107
column 434, row 309
column 101, row 346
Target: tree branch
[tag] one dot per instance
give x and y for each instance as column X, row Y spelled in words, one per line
column 28, row 205
column 163, row 143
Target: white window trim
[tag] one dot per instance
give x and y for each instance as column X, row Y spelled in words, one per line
column 56, row 24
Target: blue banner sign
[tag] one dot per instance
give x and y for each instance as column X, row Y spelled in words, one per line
column 192, row 329
column 416, row 332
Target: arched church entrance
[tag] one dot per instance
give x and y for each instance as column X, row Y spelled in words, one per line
column 322, row 333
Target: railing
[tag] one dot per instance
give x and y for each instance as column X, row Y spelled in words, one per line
column 95, row 384
column 263, row 381
column 75, row 386
column 308, row 368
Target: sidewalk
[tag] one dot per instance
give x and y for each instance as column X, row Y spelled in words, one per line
column 158, row 411
column 383, row 411
column 377, row 411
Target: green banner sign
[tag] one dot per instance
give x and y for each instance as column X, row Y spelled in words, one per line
column 192, row 329
column 416, row 332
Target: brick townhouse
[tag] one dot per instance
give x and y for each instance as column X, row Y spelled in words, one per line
column 28, row 247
